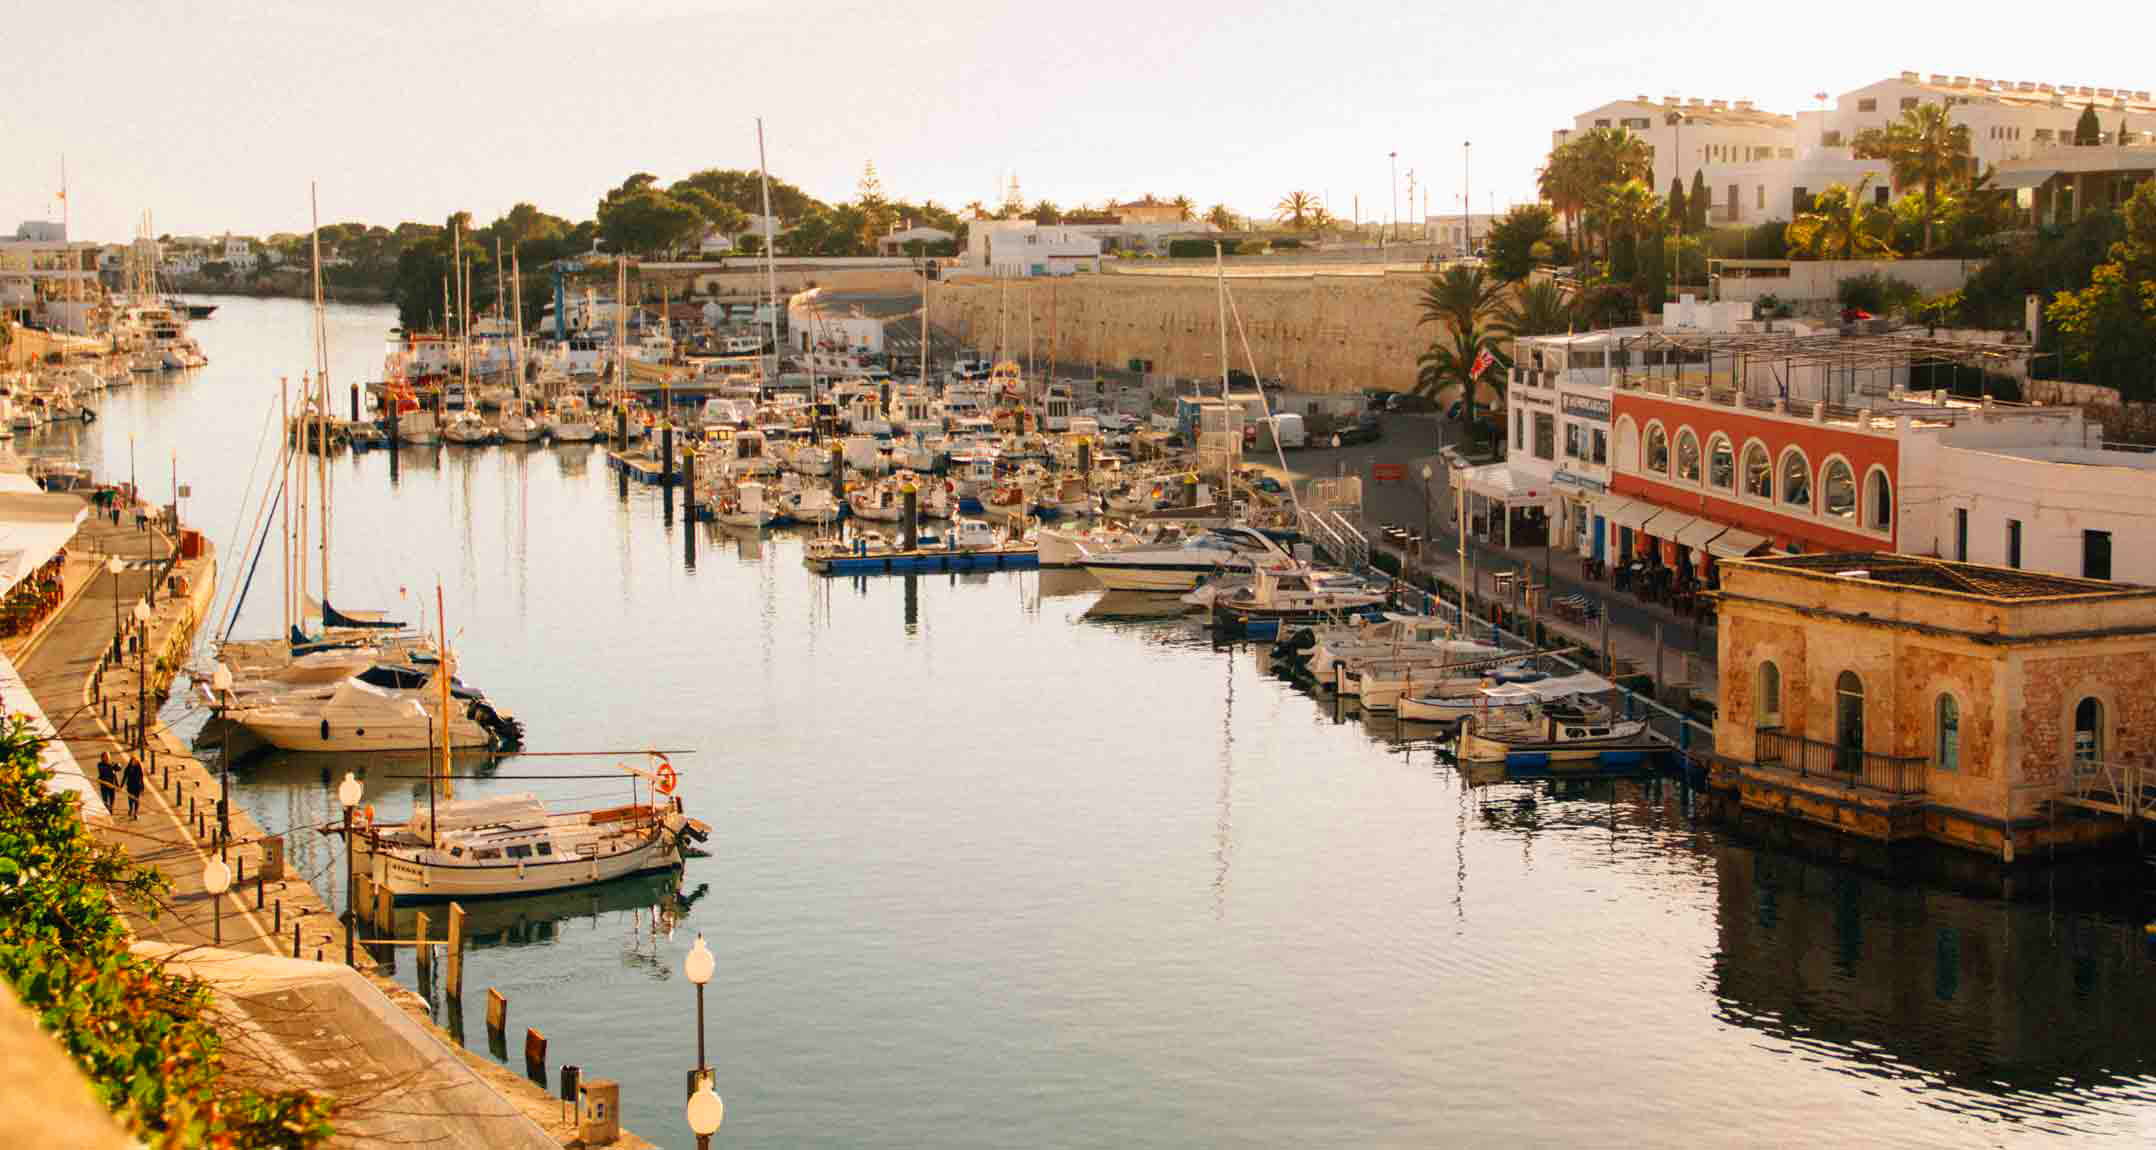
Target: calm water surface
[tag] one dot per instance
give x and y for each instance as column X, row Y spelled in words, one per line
column 998, row 863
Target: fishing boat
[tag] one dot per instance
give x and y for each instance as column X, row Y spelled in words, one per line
column 1557, row 734
column 467, row 428
column 571, row 422
column 1274, row 596
column 744, row 504
column 517, row 424
column 1508, row 691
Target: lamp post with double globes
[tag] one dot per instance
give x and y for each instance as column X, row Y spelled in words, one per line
column 348, row 794
column 706, row 1110
column 115, row 566
column 142, row 675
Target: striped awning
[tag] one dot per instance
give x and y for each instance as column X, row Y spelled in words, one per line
column 1735, row 543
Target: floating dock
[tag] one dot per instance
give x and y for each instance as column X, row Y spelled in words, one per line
column 926, row 559
column 641, row 468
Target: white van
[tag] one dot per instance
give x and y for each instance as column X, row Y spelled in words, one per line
column 1289, row 431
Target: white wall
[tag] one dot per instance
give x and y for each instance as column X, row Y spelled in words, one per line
column 1810, row 280
column 2055, row 499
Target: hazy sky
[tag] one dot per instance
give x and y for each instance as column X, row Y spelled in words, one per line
column 215, row 114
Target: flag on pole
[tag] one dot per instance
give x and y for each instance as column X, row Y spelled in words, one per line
column 1483, row 361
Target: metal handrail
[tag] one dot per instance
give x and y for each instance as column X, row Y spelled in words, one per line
column 1810, row 758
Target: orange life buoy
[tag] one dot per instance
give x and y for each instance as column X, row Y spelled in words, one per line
column 366, row 814
column 666, row 778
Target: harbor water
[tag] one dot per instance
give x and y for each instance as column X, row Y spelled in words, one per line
column 1000, row 861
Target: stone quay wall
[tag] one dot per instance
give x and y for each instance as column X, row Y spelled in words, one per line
column 1315, row 331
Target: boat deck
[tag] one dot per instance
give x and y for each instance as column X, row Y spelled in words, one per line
column 927, row 559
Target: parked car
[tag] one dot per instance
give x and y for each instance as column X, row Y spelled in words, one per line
column 1404, row 402
column 1366, row 428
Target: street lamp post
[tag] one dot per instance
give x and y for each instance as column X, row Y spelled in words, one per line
column 221, row 689
column 348, row 794
column 1429, row 519
column 114, row 565
column 1467, row 198
column 1395, row 158
column 217, row 879
column 142, row 675
column 706, row 1110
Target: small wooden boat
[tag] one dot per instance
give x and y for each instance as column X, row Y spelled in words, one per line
column 1557, row 734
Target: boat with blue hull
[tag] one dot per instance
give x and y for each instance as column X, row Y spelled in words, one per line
column 1560, row 736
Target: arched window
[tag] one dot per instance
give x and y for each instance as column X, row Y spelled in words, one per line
column 1878, row 500
column 1796, row 479
column 1721, row 464
column 2088, row 734
column 1946, row 753
column 1770, row 695
column 1656, row 458
column 1627, row 443
column 1849, row 721
column 1758, row 473
column 1838, row 490
column 1688, row 456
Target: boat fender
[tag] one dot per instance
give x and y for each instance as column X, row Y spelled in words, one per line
column 89, row 416
column 325, row 730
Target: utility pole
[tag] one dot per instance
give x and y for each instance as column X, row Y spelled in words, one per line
column 1467, row 198
column 1395, row 158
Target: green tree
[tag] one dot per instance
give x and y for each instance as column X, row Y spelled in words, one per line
column 639, row 218
column 1046, row 213
column 1566, row 184
column 1294, row 209
column 1185, row 208
column 2107, row 330
column 1924, row 147
column 1464, row 302
column 1220, row 217
column 1537, row 307
column 1695, row 205
column 1842, row 226
column 1513, row 239
column 1679, row 219
column 2087, row 131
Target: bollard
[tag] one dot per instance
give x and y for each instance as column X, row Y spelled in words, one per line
column 422, row 953
column 535, row 1056
column 295, row 940
column 239, row 868
column 279, row 915
column 571, row 1077
column 259, row 886
column 456, row 951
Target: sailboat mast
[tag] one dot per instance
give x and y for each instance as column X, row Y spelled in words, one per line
column 284, row 480
column 321, row 412
column 1231, row 443
column 516, row 288
column 446, row 668
column 771, row 273
column 924, row 326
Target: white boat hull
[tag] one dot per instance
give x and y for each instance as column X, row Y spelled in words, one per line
column 394, row 734
column 408, row 879
column 1126, row 577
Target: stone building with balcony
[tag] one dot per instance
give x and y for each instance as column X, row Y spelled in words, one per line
column 1901, row 698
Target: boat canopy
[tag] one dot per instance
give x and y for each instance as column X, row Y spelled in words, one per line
column 520, row 811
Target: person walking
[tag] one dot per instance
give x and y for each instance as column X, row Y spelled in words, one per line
column 133, row 781
column 108, row 780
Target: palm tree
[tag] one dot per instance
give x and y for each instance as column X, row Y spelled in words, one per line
column 1320, row 219
column 1841, row 226
column 1925, row 146
column 1295, row 209
column 1184, row 208
column 1563, row 182
column 1220, row 217
column 975, row 210
column 1465, row 301
column 1537, row 307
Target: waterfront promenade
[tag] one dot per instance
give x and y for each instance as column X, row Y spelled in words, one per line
column 292, row 1018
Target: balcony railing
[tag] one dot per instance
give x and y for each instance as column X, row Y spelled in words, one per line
column 1891, row 774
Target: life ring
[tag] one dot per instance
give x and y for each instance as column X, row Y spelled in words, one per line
column 666, row 778
column 366, row 814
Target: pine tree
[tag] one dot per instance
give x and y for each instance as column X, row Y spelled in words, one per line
column 1695, row 216
column 2087, row 131
column 1676, row 215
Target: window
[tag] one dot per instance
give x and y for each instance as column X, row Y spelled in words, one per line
column 487, row 853
column 1796, row 479
column 1879, row 500
column 1519, row 430
column 1830, row 139
column 1770, row 696
column 1849, row 721
column 1732, row 201
column 1657, row 456
column 1880, row 195
column 1602, row 123
column 1867, row 104
column 1627, row 443
column 1721, row 464
column 1946, row 752
column 2096, row 555
column 1800, row 200
column 1572, row 441
column 1602, row 441
column 2088, row 735
column 1762, row 198
column 1961, row 534
column 1758, row 473
column 1838, row 490
column 2013, row 543
column 1908, row 102
column 1688, row 456
column 546, row 849
column 1545, row 435
column 520, row 851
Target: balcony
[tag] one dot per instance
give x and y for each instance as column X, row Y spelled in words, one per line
column 1809, row 759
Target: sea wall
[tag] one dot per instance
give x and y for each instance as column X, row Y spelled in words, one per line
column 1316, row 331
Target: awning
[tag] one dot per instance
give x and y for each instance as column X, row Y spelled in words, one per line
column 33, row 529
column 1668, row 524
column 1498, row 481
column 67, row 774
column 1699, row 533
column 2025, row 178
column 1735, row 544
column 1627, row 512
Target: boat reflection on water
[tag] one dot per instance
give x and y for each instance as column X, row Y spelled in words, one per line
column 654, row 901
column 1133, row 607
column 1059, row 582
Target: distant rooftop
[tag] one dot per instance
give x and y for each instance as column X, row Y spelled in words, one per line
column 1943, row 576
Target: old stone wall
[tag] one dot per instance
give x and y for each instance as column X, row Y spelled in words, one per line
column 2054, row 685
column 1316, row 332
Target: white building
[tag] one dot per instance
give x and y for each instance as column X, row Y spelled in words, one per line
column 897, row 241
column 1456, row 235
column 2005, row 118
column 237, row 252
column 1745, row 155
column 1024, row 248
column 46, row 279
column 2047, row 496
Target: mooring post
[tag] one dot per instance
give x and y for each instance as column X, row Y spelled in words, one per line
column 456, row 951
column 423, row 953
column 497, row 1012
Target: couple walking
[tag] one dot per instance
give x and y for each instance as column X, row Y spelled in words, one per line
column 111, row 775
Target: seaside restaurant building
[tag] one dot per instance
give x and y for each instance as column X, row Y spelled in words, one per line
column 1898, row 697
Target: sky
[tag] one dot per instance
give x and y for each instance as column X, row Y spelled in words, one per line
column 215, row 115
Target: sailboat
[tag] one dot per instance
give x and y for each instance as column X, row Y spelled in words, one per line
column 515, row 844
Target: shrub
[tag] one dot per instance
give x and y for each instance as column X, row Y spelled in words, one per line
column 141, row 1035
column 1877, row 293
column 1287, row 243
column 1771, row 306
column 1194, row 249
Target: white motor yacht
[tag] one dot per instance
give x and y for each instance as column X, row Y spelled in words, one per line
column 1181, row 566
column 358, row 716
